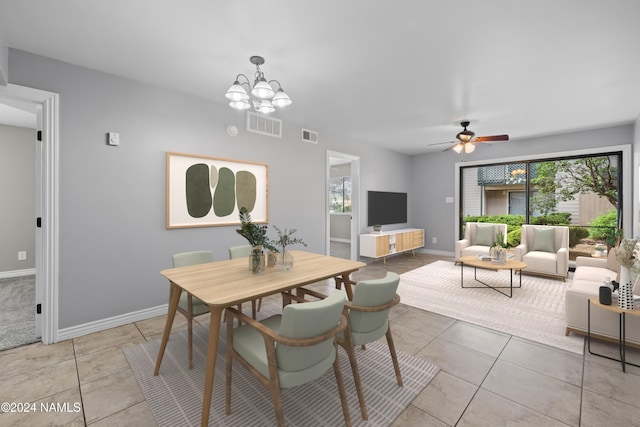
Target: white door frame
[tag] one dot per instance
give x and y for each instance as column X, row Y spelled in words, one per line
column 47, row 194
column 355, row 201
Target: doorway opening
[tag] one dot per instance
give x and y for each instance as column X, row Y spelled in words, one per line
column 342, row 204
column 46, row 106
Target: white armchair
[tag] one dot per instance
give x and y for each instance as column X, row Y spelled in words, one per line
column 478, row 238
column 545, row 250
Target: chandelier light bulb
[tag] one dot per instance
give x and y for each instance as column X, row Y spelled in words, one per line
column 239, row 105
column 281, row 99
column 236, row 92
column 263, row 90
column 266, row 107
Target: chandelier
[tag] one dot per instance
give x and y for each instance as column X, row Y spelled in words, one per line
column 263, row 96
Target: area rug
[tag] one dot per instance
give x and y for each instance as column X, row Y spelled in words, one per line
column 536, row 311
column 175, row 396
column 17, row 311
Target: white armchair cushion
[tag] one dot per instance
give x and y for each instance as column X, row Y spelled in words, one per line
column 555, row 263
column 485, row 234
column 543, row 239
column 470, row 245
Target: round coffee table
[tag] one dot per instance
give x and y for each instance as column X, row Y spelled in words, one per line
column 475, row 262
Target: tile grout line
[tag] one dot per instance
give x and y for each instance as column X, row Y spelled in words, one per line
column 75, row 359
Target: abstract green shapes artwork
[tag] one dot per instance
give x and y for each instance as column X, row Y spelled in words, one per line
column 208, row 191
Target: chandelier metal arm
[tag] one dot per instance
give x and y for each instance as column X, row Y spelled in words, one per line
column 279, row 85
column 248, row 82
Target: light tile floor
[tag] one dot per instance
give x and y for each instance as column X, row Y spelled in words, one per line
column 487, row 378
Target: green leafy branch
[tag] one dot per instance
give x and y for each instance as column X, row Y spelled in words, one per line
column 285, row 238
column 255, row 234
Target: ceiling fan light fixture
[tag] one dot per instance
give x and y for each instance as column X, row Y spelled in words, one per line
column 458, row 147
column 465, row 135
column 469, row 147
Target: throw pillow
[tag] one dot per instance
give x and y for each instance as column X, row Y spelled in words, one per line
column 485, row 234
column 543, row 239
column 612, row 263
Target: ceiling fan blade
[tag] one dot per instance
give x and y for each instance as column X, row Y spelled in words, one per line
column 492, row 138
column 440, row 143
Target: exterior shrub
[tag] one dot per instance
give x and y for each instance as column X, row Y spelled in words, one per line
column 513, row 237
column 576, row 234
column 602, row 225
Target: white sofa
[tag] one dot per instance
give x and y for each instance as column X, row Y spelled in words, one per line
column 589, row 276
column 478, row 238
column 545, row 250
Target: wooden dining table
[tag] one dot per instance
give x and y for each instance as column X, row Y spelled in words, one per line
column 223, row 284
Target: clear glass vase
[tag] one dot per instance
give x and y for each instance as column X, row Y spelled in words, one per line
column 284, row 260
column 498, row 255
column 256, row 260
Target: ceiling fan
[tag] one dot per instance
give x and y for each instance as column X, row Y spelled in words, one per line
column 467, row 140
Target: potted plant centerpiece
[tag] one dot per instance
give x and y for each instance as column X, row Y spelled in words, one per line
column 256, row 235
column 599, row 250
column 498, row 250
column 285, row 238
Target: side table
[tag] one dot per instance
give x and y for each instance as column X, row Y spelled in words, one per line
column 622, row 340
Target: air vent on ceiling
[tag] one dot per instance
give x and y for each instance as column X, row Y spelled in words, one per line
column 310, row 136
column 264, row 125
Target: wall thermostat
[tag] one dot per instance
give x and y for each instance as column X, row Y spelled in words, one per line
column 113, row 138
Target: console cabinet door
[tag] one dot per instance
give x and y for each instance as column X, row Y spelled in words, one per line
column 382, row 246
column 418, row 238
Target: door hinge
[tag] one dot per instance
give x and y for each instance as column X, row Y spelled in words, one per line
column 39, row 222
column 38, row 308
column 39, row 135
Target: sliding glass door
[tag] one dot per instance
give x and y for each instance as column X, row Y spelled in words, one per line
column 583, row 192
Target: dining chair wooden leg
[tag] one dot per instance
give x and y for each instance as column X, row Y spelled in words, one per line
column 341, row 390
column 349, row 348
column 229, row 360
column 190, row 328
column 394, row 356
column 273, row 383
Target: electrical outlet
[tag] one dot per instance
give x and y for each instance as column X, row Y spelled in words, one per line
column 434, row 240
column 22, row 255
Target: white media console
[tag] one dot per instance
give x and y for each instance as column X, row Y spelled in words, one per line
column 379, row 245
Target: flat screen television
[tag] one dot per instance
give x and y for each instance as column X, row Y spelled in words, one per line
column 384, row 207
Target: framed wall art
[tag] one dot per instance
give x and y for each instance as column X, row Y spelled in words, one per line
column 207, row 191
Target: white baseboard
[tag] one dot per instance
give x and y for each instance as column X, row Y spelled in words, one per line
column 111, row 322
column 434, row 252
column 17, row 273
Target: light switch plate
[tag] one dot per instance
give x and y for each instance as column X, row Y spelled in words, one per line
column 113, row 138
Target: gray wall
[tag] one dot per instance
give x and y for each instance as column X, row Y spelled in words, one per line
column 433, row 175
column 17, row 192
column 113, row 240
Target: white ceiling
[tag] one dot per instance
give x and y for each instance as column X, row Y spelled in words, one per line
column 400, row 74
